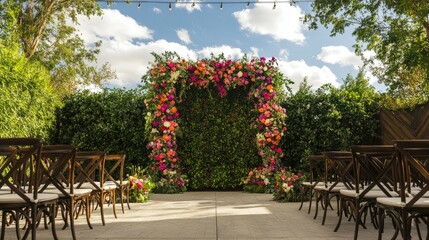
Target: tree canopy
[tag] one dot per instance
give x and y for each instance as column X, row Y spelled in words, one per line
column 397, row 31
column 44, row 30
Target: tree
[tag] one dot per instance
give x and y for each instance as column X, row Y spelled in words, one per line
column 397, row 31
column 43, row 29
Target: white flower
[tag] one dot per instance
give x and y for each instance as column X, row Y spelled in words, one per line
column 266, row 181
column 167, row 124
column 240, row 74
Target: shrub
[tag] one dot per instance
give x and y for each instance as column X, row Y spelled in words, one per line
column 27, row 102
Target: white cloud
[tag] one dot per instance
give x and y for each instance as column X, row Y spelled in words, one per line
column 254, row 51
column 283, row 23
column 124, row 46
column 190, row 7
column 340, row 55
column 156, row 10
column 183, row 35
column 297, row 70
column 112, row 25
column 228, row 52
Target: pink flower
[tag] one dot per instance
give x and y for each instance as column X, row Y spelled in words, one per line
column 278, row 150
column 139, row 185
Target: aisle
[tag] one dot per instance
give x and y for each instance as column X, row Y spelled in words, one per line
column 210, row 215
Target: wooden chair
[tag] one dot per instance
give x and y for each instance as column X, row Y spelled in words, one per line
column 114, row 175
column 338, row 166
column 90, row 175
column 20, row 169
column 372, row 177
column 58, row 177
column 317, row 163
column 412, row 161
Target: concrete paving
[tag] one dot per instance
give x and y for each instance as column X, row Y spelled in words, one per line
column 211, row 215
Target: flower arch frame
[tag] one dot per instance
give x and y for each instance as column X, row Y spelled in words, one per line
column 170, row 76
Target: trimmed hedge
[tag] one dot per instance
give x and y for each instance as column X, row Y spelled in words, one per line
column 27, row 101
column 329, row 119
column 112, row 121
column 217, row 141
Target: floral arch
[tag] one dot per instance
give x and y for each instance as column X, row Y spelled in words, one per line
column 170, row 76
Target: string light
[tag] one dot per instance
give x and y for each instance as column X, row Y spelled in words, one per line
column 207, row 2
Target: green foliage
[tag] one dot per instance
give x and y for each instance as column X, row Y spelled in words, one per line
column 44, row 32
column 217, row 142
column 27, row 102
column 396, row 31
column 329, row 119
column 112, row 121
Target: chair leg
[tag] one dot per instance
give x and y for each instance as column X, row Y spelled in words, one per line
column 340, row 217
column 114, row 202
column 310, row 201
column 358, row 218
column 128, row 196
column 380, row 223
column 325, row 211
column 88, row 211
column 302, row 197
column 101, row 203
column 52, row 219
column 33, row 225
column 121, row 197
column 317, row 205
column 71, row 215
column 3, row 225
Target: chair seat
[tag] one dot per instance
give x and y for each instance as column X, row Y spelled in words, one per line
column 124, row 182
column 88, row 185
column 370, row 194
column 311, row 183
column 77, row 192
column 335, row 189
column 12, row 198
column 396, row 202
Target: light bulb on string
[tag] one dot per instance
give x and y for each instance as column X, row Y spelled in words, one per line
column 274, row 7
column 193, row 4
column 221, row 5
column 169, row 7
column 248, row 4
column 140, row 5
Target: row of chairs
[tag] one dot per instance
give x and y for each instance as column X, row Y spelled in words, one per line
column 378, row 181
column 38, row 182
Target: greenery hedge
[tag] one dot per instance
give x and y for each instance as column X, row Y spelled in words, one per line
column 330, row 119
column 27, row 102
column 217, row 142
column 112, row 121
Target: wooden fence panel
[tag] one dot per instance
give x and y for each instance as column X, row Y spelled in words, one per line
column 411, row 124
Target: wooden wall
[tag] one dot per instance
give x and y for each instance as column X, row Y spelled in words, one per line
column 411, row 124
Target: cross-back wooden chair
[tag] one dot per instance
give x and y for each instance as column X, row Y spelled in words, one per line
column 412, row 159
column 114, row 175
column 338, row 171
column 58, row 177
column 316, row 163
column 372, row 177
column 90, row 174
column 20, row 169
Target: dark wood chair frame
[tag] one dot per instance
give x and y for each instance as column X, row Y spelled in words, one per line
column 117, row 166
column 316, row 163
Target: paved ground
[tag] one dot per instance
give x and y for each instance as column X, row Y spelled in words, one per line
column 212, row 215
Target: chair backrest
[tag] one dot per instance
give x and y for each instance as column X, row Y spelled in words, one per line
column 373, row 165
column 114, row 168
column 339, row 168
column 20, row 166
column 90, row 168
column 58, row 167
column 317, row 164
column 413, row 156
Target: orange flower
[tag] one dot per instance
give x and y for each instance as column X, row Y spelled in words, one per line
column 166, row 138
column 173, row 110
column 172, row 102
column 171, row 128
column 261, row 110
column 263, row 120
column 269, row 140
column 269, row 87
column 278, row 137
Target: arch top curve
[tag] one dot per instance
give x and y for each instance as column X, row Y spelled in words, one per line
column 170, row 77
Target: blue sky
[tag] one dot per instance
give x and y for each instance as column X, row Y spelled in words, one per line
column 130, row 34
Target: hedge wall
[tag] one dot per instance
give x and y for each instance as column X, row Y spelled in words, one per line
column 330, row 119
column 217, row 142
column 112, row 121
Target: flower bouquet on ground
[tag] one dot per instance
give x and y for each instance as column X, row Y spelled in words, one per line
column 287, row 187
column 141, row 185
column 260, row 180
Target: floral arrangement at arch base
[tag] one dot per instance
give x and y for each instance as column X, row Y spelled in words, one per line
column 287, row 185
column 170, row 77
